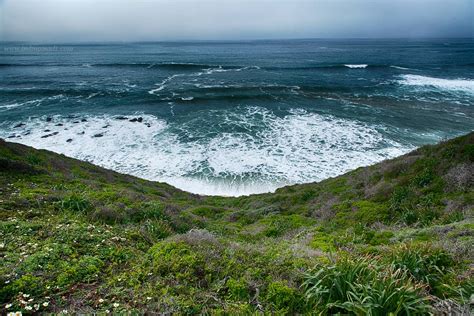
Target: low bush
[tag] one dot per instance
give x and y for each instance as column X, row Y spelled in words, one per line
column 424, row 263
column 74, row 203
column 364, row 287
column 237, row 289
column 283, row 298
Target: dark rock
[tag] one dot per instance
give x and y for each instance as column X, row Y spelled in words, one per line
column 49, row 135
column 121, row 118
column 98, row 135
column 47, row 130
column 69, row 140
column 75, row 122
column 59, row 124
column 81, row 133
column 12, row 136
column 83, row 120
column 49, row 119
column 136, row 119
column 19, row 125
column 105, row 126
column 148, row 124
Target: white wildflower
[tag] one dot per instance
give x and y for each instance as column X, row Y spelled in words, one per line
column 116, row 305
column 45, row 304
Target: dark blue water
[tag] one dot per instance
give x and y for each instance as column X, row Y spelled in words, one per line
column 237, row 117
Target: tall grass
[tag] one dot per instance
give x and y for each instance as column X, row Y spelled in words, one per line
column 364, row 287
column 424, row 263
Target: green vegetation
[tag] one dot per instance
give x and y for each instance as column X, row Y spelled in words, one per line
column 394, row 238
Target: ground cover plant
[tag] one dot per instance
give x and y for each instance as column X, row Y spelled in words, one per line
column 393, row 238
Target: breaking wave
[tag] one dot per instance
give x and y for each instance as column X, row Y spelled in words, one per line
column 249, row 150
column 459, row 85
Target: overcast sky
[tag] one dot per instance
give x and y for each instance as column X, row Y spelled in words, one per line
column 141, row 20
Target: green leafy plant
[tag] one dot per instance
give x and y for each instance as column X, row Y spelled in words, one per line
column 74, row 203
column 364, row 287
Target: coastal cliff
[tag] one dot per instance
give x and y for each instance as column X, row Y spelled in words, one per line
column 393, row 237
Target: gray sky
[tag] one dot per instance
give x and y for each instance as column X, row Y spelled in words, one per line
column 139, row 20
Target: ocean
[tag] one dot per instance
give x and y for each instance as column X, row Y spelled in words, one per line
column 237, row 117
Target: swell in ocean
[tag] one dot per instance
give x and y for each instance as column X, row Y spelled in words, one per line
column 216, row 119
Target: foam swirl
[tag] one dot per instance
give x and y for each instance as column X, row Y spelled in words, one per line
column 250, row 150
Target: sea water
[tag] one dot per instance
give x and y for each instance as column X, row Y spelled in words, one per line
column 238, row 117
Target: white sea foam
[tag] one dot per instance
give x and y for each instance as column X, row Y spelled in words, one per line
column 209, row 71
column 266, row 152
column 163, row 83
column 459, row 85
column 35, row 102
column 398, row 67
column 356, row 66
column 11, row 106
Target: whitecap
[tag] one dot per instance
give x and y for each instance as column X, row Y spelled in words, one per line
column 35, row 102
column 398, row 67
column 163, row 83
column 356, row 66
column 10, row 106
column 459, row 85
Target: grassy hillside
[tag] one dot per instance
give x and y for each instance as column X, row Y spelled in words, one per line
column 394, row 237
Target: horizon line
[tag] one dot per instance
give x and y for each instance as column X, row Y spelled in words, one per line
column 229, row 40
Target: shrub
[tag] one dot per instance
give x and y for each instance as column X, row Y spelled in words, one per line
column 375, row 238
column 83, row 270
column 33, row 159
column 425, row 264
column 279, row 225
column 399, row 199
column 363, row 287
column 109, row 214
column 74, row 203
column 27, row 284
column 392, row 293
column 149, row 210
column 323, row 242
column 424, row 178
column 461, row 292
column 282, row 297
column 460, row 177
column 177, row 259
column 237, row 289
column 370, row 212
column 156, row 229
column 207, row 211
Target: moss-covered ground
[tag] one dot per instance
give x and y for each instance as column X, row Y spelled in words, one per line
column 396, row 237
